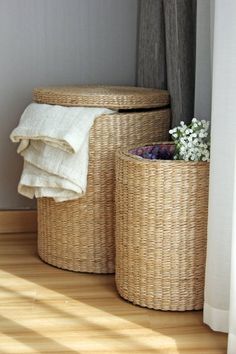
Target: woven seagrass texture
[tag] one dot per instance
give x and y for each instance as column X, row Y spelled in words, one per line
column 161, row 229
column 79, row 235
column 117, row 97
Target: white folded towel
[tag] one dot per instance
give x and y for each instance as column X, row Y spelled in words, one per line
column 54, row 142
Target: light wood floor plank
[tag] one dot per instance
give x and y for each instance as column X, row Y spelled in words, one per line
column 47, row 310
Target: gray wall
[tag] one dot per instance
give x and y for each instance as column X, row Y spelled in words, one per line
column 46, row 42
column 204, row 43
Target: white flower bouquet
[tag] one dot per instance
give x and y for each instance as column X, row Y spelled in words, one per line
column 192, row 142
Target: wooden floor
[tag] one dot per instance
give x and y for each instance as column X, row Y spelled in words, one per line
column 48, row 310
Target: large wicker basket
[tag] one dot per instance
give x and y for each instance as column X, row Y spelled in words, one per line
column 161, row 229
column 79, row 235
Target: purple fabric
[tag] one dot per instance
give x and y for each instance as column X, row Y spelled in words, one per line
column 155, row 152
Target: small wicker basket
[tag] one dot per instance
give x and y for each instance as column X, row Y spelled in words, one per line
column 161, row 229
column 78, row 235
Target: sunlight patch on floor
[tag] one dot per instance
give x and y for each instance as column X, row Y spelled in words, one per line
column 42, row 317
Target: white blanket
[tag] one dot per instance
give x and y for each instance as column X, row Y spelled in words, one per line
column 54, row 142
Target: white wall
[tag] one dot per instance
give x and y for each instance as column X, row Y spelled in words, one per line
column 204, row 43
column 46, row 42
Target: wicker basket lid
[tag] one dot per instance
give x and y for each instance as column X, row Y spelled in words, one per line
column 118, row 97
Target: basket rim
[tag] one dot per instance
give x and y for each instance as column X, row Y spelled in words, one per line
column 126, row 155
column 109, row 96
